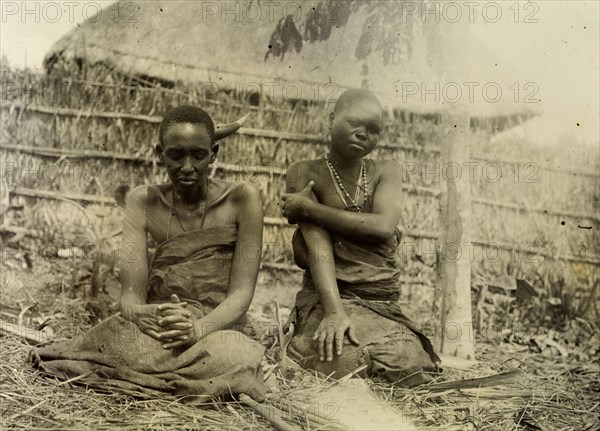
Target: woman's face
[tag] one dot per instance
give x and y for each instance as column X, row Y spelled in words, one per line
column 355, row 130
column 187, row 151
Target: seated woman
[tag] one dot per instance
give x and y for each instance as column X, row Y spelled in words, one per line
column 174, row 333
column 347, row 207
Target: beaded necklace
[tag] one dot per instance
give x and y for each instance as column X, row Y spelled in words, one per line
column 173, row 211
column 362, row 175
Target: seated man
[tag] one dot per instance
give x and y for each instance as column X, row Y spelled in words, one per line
column 174, row 332
column 347, row 208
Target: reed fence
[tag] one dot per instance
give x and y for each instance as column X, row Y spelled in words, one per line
column 60, row 134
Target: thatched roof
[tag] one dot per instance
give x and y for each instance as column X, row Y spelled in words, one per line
column 193, row 42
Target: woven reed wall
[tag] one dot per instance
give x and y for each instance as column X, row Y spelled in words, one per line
column 531, row 221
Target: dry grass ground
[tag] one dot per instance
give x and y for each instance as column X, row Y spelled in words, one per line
column 545, row 391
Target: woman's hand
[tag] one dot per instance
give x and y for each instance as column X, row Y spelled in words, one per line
column 146, row 317
column 177, row 324
column 295, row 206
column 331, row 332
column 169, row 323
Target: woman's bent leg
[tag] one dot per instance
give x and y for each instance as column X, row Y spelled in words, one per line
column 390, row 350
column 116, row 354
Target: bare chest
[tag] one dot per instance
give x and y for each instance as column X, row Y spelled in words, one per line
column 343, row 192
column 167, row 222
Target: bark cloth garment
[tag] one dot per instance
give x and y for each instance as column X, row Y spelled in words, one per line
column 368, row 281
column 116, row 355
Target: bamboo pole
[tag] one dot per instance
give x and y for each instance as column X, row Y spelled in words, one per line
column 30, row 335
column 290, row 136
column 540, row 210
column 454, row 267
column 280, row 171
column 477, row 382
column 47, row 194
column 269, row 412
column 94, row 154
column 283, row 223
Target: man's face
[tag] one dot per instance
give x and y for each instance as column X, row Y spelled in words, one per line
column 187, row 151
column 356, row 128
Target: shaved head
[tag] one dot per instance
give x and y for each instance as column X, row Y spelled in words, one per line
column 186, row 114
column 353, row 96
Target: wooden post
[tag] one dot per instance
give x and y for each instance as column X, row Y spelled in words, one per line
column 456, row 336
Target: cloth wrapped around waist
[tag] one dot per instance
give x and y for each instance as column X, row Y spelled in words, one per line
column 369, row 271
column 195, row 266
column 366, row 274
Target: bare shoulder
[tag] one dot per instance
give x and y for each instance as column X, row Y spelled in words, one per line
column 136, row 204
column 245, row 193
column 246, row 203
column 301, row 172
column 383, row 165
column 385, row 168
column 302, row 168
column 137, row 197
